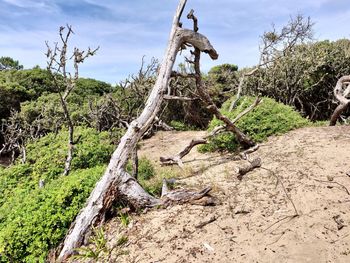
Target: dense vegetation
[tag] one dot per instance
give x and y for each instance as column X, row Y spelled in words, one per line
column 268, row 118
column 305, row 77
column 34, row 219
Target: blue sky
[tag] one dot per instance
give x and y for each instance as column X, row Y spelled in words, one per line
column 126, row 30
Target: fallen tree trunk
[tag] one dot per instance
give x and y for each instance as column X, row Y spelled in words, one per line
column 341, row 95
column 116, row 181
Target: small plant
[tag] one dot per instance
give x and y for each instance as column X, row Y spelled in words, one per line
column 122, row 241
column 98, row 243
column 124, row 218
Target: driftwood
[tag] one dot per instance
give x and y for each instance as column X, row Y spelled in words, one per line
column 341, row 95
column 181, row 196
column 116, row 182
column 244, row 140
column 255, row 163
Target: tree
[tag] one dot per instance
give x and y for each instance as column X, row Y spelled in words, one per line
column 64, row 82
column 116, row 182
column 305, row 78
column 276, row 44
column 7, row 63
column 342, row 95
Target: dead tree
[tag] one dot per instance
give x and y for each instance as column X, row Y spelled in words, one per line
column 116, row 182
column 341, row 95
column 65, row 82
column 275, row 45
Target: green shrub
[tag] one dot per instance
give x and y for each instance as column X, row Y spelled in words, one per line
column 38, row 219
column 146, row 174
column 33, row 219
column 180, row 126
column 149, row 178
column 269, row 118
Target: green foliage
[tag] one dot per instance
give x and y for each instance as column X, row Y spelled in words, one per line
column 124, row 218
column 9, row 63
column 305, row 77
column 33, row 219
column 17, row 86
column 87, row 86
column 220, row 80
column 122, row 240
column 37, row 219
column 98, row 245
column 48, row 154
column 269, row 118
column 149, row 178
column 180, row 126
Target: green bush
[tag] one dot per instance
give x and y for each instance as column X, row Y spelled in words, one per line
column 146, row 175
column 37, row 220
column 33, row 219
column 47, row 155
column 180, row 126
column 269, row 118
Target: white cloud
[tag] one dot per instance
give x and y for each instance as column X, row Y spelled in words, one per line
column 136, row 28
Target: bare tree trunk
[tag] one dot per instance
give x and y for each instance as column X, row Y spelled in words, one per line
column 342, row 97
column 116, row 182
column 68, row 162
column 57, row 64
column 135, row 163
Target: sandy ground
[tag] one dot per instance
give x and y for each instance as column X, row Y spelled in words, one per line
column 254, row 220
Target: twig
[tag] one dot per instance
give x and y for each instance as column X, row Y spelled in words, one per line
column 212, row 219
column 330, row 182
column 284, row 189
column 280, row 220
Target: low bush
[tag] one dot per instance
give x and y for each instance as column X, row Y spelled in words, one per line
column 33, row 219
column 180, row 126
column 269, row 118
column 37, row 219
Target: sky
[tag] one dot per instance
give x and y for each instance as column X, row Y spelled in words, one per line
column 127, row 30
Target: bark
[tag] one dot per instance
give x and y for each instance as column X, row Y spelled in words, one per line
column 341, row 96
column 135, row 163
column 116, row 181
column 244, row 140
column 249, row 167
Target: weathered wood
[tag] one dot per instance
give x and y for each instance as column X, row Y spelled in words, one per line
column 116, row 181
column 341, row 96
column 177, row 158
column 249, row 167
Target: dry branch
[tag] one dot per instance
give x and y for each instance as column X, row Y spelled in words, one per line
column 255, row 163
column 57, row 65
column 177, row 158
column 275, row 45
